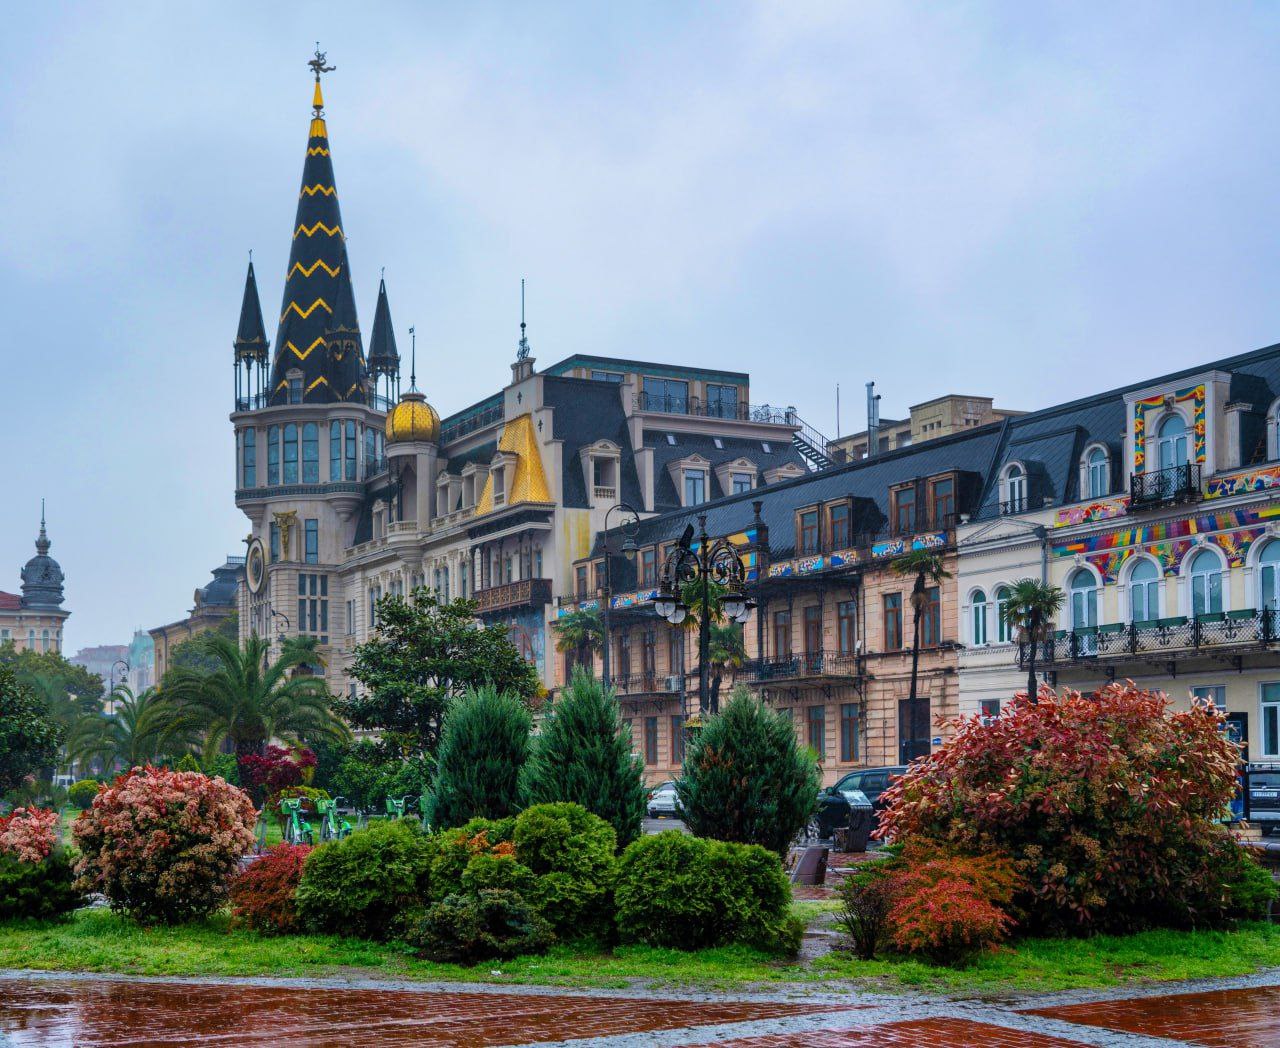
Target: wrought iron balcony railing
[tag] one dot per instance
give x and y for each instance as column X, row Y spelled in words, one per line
column 1163, row 487
column 801, row 665
column 525, row 592
column 724, row 408
column 486, row 416
column 648, row 684
column 1163, row 639
column 257, row 401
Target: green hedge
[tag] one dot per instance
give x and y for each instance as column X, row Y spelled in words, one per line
column 38, row 890
column 571, row 854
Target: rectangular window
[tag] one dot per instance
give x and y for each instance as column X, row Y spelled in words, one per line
column 741, row 483
column 782, row 634
column 813, row 629
column 649, row 657
column 335, row 450
column 892, row 621
column 846, row 626
column 807, row 536
column 838, row 525
column 666, row 394
column 250, row 479
column 848, row 732
column 273, row 455
column 624, row 654
column 295, row 391
column 349, row 452
column 931, row 617
column 675, row 652
column 606, row 376
column 944, row 502
column 311, row 530
column 990, row 709
column 695, row 487
column 311, row 453
column 1215, row 693
column 651, row 740
column 291, row 453
column 351, row 617
column 1271, row 719
column 904, row 510
column 580, row 574
column 677, row 739
column 275, row 542
column 648, row 567
column 722, row 401
column 816, row 721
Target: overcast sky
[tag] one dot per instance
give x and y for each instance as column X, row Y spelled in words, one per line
column 1033, row 201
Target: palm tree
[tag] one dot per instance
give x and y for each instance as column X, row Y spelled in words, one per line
column 1030, row 609
column 143, row 729
column 727, row 650
column 580, row 632
column 249, row 699
column 926, row 566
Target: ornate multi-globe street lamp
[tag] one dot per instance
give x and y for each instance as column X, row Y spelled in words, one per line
column 629, row 528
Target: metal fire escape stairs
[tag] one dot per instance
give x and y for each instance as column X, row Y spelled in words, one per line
column 811, row 444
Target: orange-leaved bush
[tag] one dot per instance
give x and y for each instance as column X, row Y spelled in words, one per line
column 1108, row 806
column 262, row 895
column 163, row 845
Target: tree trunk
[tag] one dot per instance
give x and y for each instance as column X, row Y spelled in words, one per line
column 715, row 691
column 915, row 670
column 1032, row 634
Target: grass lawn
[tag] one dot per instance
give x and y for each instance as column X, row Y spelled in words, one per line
column 97, row 940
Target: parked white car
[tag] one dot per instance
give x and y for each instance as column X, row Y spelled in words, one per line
column 663, row 802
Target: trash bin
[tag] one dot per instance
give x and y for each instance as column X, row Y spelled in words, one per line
column 854, row 836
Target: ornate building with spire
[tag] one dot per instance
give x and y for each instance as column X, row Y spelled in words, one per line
column 33, row 620
column 354, row 490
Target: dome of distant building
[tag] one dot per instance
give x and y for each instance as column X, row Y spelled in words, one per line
column 42, row 576
column 413, row 419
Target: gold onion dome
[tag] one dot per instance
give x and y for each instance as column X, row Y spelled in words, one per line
column 413, row 419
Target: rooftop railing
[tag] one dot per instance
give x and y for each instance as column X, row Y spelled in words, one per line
column 1176, row 637
column 724, row 409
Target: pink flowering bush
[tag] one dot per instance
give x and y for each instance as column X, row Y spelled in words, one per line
column 29, row 834
column 162, row 845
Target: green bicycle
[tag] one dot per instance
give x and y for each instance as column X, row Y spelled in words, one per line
column 297, row 830
column 330, row 828
column 396, row 807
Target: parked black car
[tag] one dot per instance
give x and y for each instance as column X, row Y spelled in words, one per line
column 833, row 808
column 1264, row 797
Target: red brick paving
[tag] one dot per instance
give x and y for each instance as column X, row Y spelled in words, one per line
column 94, row 1014
column 918, row 1033
column 1222, row 1018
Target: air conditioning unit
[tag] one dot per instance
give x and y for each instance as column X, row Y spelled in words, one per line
column 674, row 683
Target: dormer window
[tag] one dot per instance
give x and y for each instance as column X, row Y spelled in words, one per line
column 1171, row 443
column 295, row 387
column 904, row 510
column 742, row 483
column 807, row 532
column 1015, row 489
column 1097, row 473
column 695, row 487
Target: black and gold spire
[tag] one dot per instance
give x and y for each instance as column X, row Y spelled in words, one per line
column 316, row 282
column 251, row 347
column 384, row 358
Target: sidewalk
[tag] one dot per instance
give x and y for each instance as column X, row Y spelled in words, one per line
column 93, row 1011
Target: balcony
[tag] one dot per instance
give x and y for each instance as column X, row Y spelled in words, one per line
column 801, row 666
column 258, row 401
column 523, row 594
column 1221, row 634
column 725, row 409
column 648, row 684
column 1166, row 487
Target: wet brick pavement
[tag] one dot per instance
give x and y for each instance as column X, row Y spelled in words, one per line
column 102, row 1012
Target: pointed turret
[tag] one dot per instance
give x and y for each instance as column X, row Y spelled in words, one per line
column 344, row 350
column 316, row 278
column 42, row 576
column 251, row 336
column 384, row 359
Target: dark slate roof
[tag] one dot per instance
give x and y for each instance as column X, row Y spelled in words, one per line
column 481, row 455
column 383, row 356
column 316, row 279
column 644, row 367
column 221, row 592
column 251, row 335
column 665, row 496
column 587, row 411
column 867, row 481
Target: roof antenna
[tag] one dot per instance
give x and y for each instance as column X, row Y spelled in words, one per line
column 523, row 352
column 413, row 360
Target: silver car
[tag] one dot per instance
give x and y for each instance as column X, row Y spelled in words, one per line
column 663, row 802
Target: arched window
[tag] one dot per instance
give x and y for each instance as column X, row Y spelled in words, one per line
column 1206, row 583
column 31, row 640
column 273, row 455
column 350, row 453
column 335, row 450
column 1144, row 592
column 1099, row 473
column 1269, row 576
column 1171, row 443
column 311, row 453
column 44, row 640
column 291, row 453
column 1003, row 633
column 1084, row 600
column 1015, row 489
column 978, row 614
column 249, row 455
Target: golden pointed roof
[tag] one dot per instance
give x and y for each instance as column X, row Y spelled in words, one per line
column 413, row 419
column 530, row 482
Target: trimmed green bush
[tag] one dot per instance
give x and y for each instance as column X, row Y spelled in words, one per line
column 687, row 892
column 362, row 884
column 81, row 793
column 483, row 746
column 582, row 755
column 746, row 779
column 38, row 890
column 451, row 851
column 466, row 929
column 572, row 854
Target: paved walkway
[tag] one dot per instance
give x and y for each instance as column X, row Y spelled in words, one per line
column 95, row 1012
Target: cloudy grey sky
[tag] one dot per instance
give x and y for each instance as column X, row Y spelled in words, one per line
column 1030, row 200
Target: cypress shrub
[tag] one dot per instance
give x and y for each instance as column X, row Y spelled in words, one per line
column 746, row 779
column 483, row 746
column 582, row 756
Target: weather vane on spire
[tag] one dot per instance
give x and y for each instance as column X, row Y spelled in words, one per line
column 317, row 64
column 522, row 352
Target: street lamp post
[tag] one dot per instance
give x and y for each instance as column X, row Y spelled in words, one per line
column 112, row 681
column 712, row 562
column 629, row 528
column 281, row 637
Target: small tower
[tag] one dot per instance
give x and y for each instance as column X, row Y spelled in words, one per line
column 42, row 576
column 251, row 347
column 384, row 359
column 413, row 439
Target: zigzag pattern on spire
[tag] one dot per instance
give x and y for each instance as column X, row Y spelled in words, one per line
column 329, row 230
column 306, row 271
column 302, row 354
column 304, row 313
column 313, row 190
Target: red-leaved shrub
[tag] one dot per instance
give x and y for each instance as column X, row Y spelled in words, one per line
column 1107, row 805
column 262, row 895
column 945, row 918
column 278, row 768
column 163, row 845
column 29, row 834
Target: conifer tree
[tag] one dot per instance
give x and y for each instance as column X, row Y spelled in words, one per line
column 483, row 746
column 583, row 755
